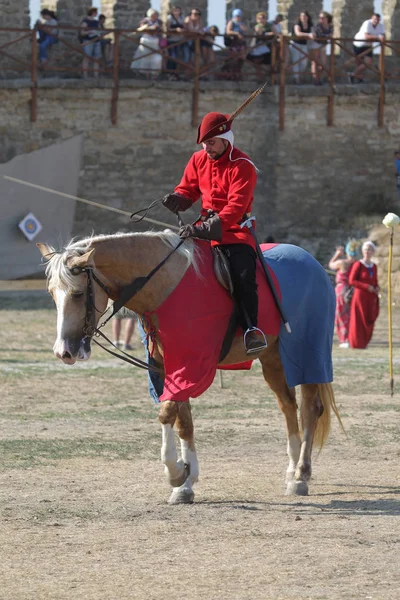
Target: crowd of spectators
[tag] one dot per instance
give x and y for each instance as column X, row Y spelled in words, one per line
column 168, row 49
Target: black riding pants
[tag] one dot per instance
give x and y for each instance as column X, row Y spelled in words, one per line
column 242, row 260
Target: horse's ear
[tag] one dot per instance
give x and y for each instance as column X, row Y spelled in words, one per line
column 44, row 250
column 86, row 260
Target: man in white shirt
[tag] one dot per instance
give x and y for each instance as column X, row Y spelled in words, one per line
column 371, row 31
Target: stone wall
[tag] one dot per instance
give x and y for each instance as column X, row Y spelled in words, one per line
column 14, row 13
column 314, row 181
column 353, row 15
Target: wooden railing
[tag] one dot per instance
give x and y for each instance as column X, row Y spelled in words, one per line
column 65, row 60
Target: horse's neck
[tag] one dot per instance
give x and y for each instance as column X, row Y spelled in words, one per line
column 121, row 260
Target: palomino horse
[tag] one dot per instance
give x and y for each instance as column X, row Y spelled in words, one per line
column 83, row 276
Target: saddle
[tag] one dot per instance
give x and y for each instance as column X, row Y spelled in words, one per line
column 223, row 275
column 222, row 269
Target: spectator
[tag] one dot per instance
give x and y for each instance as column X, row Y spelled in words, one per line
column 193, row 25
column 397, row 161
column 260, row 54
column 105, row 43
column 235, row 32
column 175, row 28
column 90, row 40
column 323, row 31
column 276, row 25
column 371, row 30
column 130, row 317
column 155, row 381
column 341, row 262
column 206, row 45
column 48, row 36
column 365, row 302
column 151, row 28
column 302, row 30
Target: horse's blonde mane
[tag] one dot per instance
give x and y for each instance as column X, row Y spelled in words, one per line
column 60, row 276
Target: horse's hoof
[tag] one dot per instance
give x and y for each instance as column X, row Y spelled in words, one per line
column 178, row 481
column 181, row 497
column 297, row 488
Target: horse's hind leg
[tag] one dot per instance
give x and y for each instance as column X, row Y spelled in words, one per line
column 275, row 378
column 182, row 473
column 311, row 411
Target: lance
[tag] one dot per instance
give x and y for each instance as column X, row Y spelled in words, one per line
column 84, row 201
column 390, row 221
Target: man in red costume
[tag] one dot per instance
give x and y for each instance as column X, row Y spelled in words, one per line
column 224, row 178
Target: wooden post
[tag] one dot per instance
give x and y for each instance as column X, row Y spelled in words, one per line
column 34, row 76
column 282, row 82
column 115, row 89
column 196, row 90
column 331, row 98
column 382, row 84
column 273, row 63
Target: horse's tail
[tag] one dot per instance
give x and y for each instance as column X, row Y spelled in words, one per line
column 327, row 397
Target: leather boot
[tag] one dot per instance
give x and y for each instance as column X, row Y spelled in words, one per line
column 254, row 341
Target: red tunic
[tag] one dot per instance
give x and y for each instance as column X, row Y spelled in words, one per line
column 364, row 304
column 226, row 187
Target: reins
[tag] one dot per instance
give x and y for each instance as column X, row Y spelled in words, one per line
column 127, row 293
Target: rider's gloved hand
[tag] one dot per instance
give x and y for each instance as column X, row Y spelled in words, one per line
column 211, row 229
column 177, row 203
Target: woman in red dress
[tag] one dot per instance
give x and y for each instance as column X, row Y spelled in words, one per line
column 365, row 302
column 341, row 262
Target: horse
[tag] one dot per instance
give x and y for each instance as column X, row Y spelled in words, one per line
column 84, row 275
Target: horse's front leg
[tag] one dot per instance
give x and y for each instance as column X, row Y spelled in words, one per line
column 182, row 473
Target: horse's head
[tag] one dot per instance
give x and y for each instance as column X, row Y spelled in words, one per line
column 80, row 299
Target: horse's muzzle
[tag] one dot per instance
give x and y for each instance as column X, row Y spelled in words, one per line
column 69, row 352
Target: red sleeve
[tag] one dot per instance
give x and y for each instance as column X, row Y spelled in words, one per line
column 189, row 185
column 354, row 275
column 240, row 196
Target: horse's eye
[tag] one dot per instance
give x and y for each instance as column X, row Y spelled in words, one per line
column 77, row 294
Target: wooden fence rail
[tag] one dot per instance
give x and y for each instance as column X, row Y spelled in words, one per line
column 228, row 65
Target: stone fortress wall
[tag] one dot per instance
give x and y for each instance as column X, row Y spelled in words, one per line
column 317, row 185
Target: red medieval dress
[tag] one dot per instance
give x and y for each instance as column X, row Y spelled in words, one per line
column 342, row 314
column 364, row 304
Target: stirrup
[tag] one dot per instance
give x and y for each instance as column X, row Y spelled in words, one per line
column 254, row 345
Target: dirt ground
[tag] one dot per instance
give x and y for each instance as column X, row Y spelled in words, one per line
column 83, row 511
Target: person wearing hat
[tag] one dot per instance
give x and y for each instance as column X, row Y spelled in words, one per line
column 225, row 179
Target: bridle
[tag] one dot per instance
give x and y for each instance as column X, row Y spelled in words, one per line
column 127, row 293
column 89, row 328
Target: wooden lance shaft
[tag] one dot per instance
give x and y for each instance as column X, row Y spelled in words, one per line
column 390, row 312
